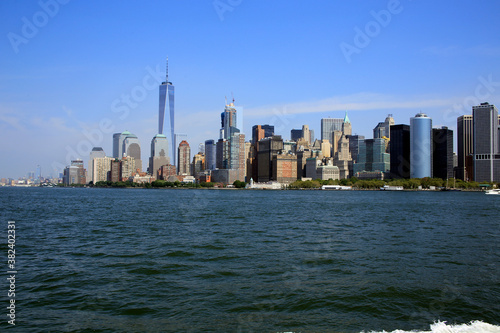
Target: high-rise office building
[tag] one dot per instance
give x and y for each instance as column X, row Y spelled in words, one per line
column 341, row 147
column 75, row 173
column 354, row 145
column 115, row 169
column 198, row 164
column 326, row 148
column 465, row 147
column 229, row 121
column 128, row 167
column 222, row 154
column 184, row 155
column 442, row 153
column 132, row 148
column 166, row 115
column 284, row 168
column 159, row 154
column 118, row 144
column 384, row 129
column 295, row 134
column 237, row 158
column 420, row 146
column 210, row 153
column 372, row 156
column 261, row 131
column 95, row 153
column 101, row 168
column 486, row 145
column 268, row 147
column 127, row 144
column 346, row 126
column 328, row 126
column 400, row 151
column 306, row 134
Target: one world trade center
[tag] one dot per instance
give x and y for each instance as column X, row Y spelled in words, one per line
column 166, row 113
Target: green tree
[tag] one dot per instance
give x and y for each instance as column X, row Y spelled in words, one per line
column 239, row 184
column 158, row 183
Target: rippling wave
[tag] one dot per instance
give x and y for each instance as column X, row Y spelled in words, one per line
column 107, row 260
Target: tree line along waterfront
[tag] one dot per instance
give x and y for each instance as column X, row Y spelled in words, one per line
column 355, row 183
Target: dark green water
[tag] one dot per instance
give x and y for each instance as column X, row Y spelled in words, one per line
column 134, row 260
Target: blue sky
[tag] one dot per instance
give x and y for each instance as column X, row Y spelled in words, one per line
column 67, row 65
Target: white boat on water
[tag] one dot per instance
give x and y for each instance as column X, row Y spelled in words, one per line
column 494, row 191
column 336, row 187
column 391, row 188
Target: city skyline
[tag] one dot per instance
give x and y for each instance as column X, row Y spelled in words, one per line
column 74, row 99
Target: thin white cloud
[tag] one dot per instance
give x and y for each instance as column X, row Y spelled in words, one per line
column 11, row 120
column 357, row 102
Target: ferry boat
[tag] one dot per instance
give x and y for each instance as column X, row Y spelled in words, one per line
column 494, row 191
column 336, row 187
column 391, row 188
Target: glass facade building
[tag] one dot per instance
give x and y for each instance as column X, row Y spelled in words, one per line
column 210, row 153
column 465, row 147
column 328, row 126
column 442, row 153
column 486, row 146
column 399, row 149
column 372, row 156
column 166, row 115
column 420, row 146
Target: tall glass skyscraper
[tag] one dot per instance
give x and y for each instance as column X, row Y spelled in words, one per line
column 465, row 147
column 420, row 146
column 328, row 126
column 166, row 105
column 486, row 149
column 210, row 152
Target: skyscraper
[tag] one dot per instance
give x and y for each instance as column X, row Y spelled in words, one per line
column 210, row 153
column 306, row 134
column 268, row 147
column 101, row 167
column 295, row 134
column 486, row 146
column 166, row 105
column 328, row 126
column 222, row 154
column 118, row 144
column 159, row 154
column 346, row 126
column 442, row 153
column 420, row 146
column 184, row 156
column 95, row 153
column 74, row 174
column 354, row 145
column 384, row 129
column 372, row 156
column 237, row 155
column 132, row 147
column 261, row 131
column 400, row 151
column 228, row 121
column 465, row 147
column 198, row 164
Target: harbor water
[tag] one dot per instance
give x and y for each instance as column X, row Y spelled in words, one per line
column 168, row 260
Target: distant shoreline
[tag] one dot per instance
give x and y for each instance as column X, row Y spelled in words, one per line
column 255, row 189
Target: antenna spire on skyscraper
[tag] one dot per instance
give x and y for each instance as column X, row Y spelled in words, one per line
column 167, row 70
